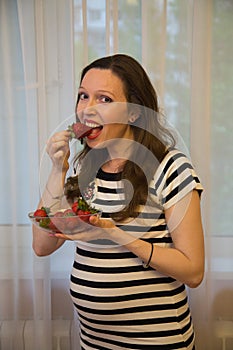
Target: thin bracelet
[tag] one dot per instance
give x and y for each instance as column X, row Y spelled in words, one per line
column 146, row 265
column 56, row 197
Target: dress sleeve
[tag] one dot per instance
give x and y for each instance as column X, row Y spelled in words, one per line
column 176, row 177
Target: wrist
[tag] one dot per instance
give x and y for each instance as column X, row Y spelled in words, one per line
column 59, row 172
column 143, row 249
column 147, row 264
column 57, row 196
column 55, row 184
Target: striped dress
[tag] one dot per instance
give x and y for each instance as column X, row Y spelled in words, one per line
column 122, row 305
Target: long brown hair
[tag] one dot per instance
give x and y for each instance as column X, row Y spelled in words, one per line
column 148, row 131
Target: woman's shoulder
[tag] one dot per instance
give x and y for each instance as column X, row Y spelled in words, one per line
column 175, row 176
column 172, row 160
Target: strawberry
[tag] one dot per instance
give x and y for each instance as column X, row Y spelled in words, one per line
column 75, row 207
column 79, row 130
column 65, row 220
column 81, row 206
column 84, row 215
column 58, row 214
column 58, row 221
column 71, row 220
column 41, row 213
column 52, row 226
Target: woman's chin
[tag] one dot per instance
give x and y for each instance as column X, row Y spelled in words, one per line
column 93, row 143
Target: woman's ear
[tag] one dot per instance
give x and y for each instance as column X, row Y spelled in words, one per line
column 132, row 119
column 134, row 114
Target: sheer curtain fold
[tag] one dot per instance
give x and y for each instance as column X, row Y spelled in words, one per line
column 110, row 33
column 9, row 248
column 85, row 35
column 35, row 98
column 30, row 84
column 200, row 110
column 107, row 26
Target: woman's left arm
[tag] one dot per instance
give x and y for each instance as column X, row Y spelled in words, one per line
column 185, row 260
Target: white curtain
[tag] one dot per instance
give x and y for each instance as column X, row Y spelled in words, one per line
column 37, row 93
column 186, row 47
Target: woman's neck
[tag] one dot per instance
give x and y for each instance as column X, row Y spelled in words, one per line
column 114, row 165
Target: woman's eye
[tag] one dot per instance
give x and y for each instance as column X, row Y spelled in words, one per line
column 105, row 99
column 83, row 96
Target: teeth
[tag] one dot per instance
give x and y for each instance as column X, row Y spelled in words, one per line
column 91, row 125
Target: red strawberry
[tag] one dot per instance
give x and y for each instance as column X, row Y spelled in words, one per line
column 58, row 214
column 58, row 220
column 41, row 213
column 79, row 130
column 52, row 226
column 75, row 207
column 84, row 215
column 68, row 220
column 71, row 220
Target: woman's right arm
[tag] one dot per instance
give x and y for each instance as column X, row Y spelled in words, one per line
column 59, row 152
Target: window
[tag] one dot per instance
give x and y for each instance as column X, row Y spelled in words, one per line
column 160, row 35
column 221, row 127
column 15, row 152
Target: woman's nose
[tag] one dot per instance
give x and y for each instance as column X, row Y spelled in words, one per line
column 90, row 107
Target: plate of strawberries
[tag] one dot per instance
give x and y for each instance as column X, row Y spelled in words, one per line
column 69, row 221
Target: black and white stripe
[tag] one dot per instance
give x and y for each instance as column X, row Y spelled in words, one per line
column 120, row 304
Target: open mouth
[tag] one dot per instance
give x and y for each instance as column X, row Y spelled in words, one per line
column 79, row 130
column 93, row 130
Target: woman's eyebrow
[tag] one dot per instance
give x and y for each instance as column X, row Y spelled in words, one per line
column 106, row 92
column 102, row 91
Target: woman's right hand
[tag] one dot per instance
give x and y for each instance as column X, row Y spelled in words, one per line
column 58, row 150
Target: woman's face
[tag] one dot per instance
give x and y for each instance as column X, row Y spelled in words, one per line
column 103, row 105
